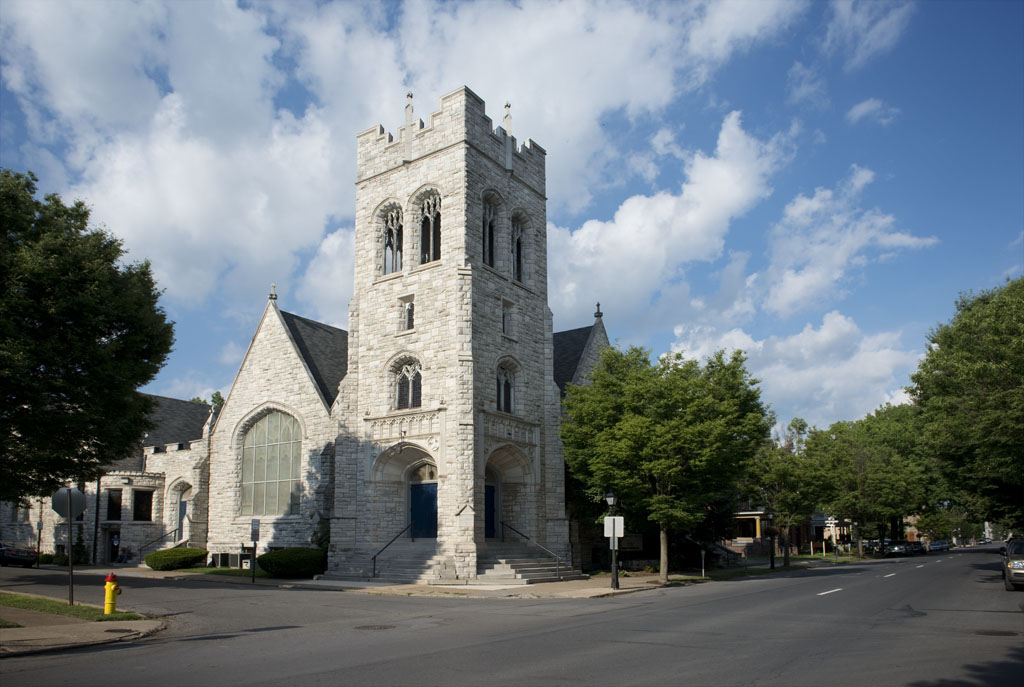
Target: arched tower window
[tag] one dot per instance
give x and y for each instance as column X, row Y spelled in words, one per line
column 392, row 240
column 488, row 233
column 506, row 389
column 517, row 248
column 271, row 466
column 408, row 381
column 430, row 228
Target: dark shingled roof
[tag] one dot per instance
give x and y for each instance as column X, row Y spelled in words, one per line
column 174, row 422
column 325, row 350
column 569, row 347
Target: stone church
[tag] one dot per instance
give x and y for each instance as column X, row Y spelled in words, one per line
column 433, row 421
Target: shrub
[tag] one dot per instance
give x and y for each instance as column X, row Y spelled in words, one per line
column 294, row 563
column 60, row 559
column 45, row 559
column 174, row 559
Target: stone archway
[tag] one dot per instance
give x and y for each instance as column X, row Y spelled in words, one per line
column 509, row 493
column 181, row 497
column 405, row 487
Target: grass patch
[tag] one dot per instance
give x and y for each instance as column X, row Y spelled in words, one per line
column 33, row 603
column 230, row 572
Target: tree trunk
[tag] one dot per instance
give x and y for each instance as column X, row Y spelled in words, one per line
column 663, row 563
column 785, row 545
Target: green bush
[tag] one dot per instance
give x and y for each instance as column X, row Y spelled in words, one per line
column 45, row 559
column 60, row 559
column 294, row 563
column 174, row 559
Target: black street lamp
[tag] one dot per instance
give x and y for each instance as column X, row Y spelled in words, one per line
column 610, row 498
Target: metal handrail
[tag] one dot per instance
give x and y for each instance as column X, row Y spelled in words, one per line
column 160, row 538
column 558, row 559
column 404, row 530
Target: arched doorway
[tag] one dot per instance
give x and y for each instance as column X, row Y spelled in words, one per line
column 423, row 501
column 181, row 494
column 508, row 492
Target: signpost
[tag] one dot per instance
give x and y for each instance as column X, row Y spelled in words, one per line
column 255, row 536
column 614, row 527
column 69, row 503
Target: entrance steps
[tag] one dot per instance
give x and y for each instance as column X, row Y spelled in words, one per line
column 505, row 563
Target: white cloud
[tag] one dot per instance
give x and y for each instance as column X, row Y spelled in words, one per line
column 820, row 238
column 861, row 30
column 804, row 85
column 822, row 374
column 178, row 123
column 231, row 353
column 873, row 110
column 327, row 283
column 650, row 239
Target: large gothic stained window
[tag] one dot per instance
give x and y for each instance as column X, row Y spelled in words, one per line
column 392, row 240
column 430, row 228
column 408, row 385
column 271, row 465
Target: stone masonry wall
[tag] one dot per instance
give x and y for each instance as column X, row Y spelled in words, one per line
column 272, row 377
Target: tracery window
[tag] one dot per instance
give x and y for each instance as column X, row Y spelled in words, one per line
column 488, row 234
column 430, row 229
column 393, row 240
column 517, row 249
column 271, row 464
column 505, row 389
column 408, row 386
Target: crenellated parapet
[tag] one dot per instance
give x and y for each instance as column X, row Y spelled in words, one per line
column 460, row 118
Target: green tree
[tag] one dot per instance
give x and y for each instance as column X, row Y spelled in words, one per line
column 80, row 331
column 785, row 482
column 669, row 438
column 970, row 389
column 875, row 470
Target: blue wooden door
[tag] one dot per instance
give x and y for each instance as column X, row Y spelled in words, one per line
column 489, row 506
column 423, row 510
column 182, row 510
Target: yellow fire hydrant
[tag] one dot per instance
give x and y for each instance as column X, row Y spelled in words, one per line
column 112, row 590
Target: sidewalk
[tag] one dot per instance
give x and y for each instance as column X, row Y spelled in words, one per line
column 41, row 632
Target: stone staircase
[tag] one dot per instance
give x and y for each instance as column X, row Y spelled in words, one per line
column 514, row 562
column 412, row 562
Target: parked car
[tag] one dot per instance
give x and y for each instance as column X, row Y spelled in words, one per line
column 916, row 548
column 10, row 555
column 897, row 548
column 1013, row 564
column 939, row 545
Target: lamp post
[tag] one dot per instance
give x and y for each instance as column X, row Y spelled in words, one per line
column 771, row 539
column 610, row 498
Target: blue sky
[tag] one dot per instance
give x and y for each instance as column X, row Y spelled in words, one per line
column 814, row 183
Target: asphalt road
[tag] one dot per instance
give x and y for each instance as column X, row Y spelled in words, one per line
column 931, row 621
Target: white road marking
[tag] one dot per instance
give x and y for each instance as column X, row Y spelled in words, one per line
column 839, row 589
column 920, row 566
column 889, row 575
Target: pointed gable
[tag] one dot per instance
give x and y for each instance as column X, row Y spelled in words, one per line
column 323, row 348
column 569, row 347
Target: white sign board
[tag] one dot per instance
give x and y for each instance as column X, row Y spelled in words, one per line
column 614, row 526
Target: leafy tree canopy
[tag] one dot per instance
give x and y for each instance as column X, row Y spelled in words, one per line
column 79, row 332
column 970, row 389
column 669, row 438
column 875, row 469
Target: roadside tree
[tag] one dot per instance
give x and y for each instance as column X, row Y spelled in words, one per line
column 970, row 389
column 670, row 438
column 80, row 331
